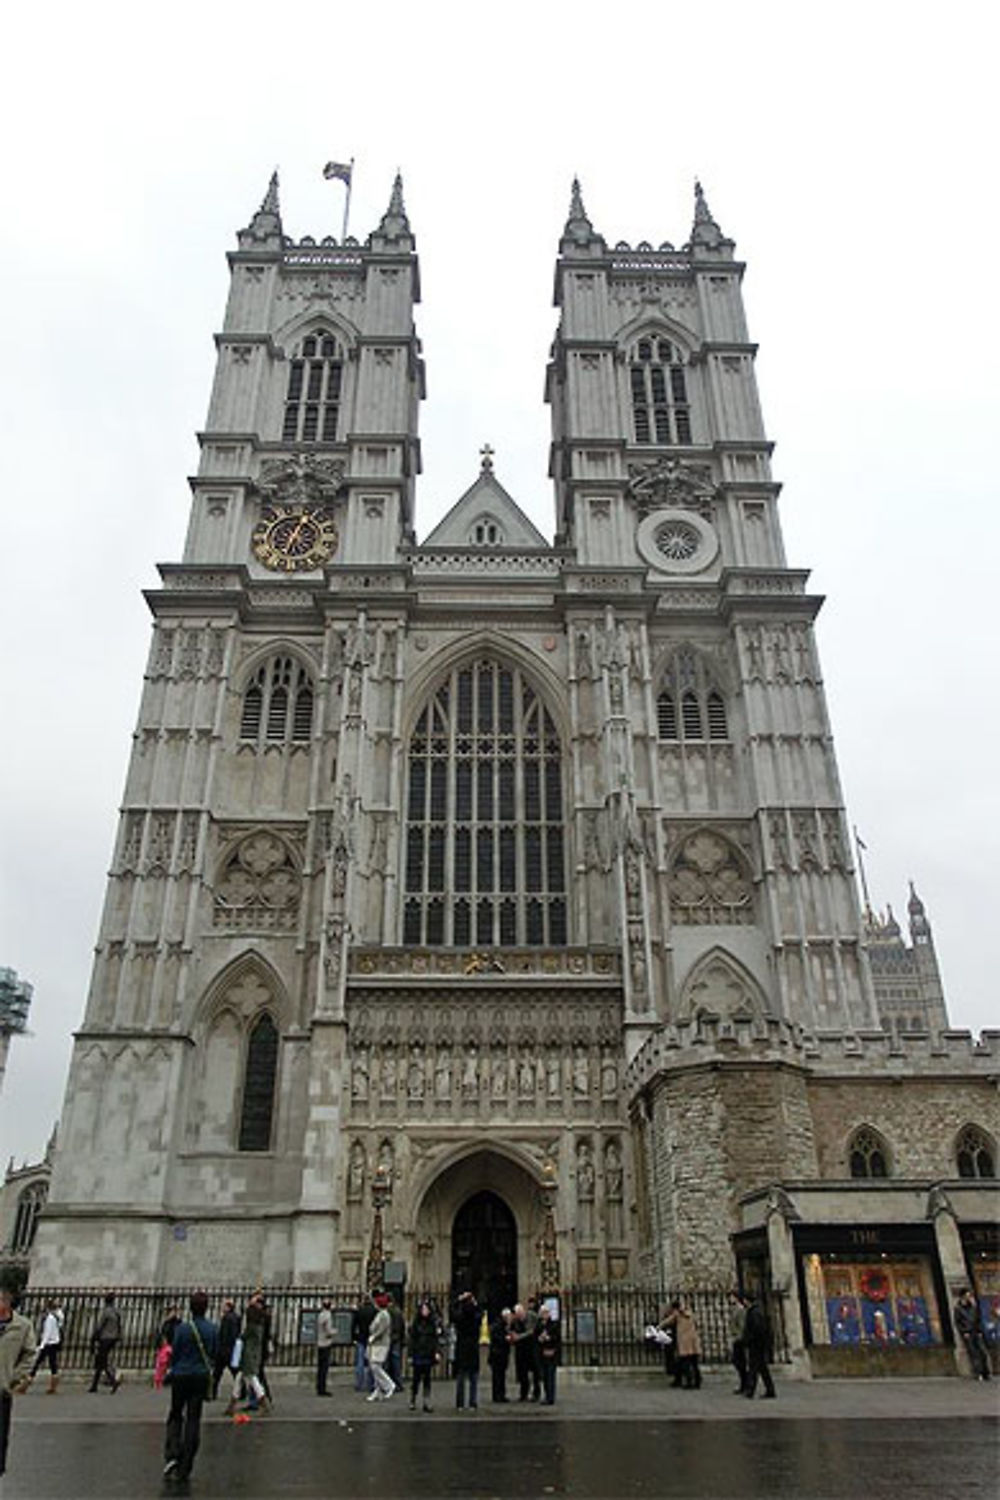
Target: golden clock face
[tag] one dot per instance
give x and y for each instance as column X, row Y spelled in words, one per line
column 290, row 539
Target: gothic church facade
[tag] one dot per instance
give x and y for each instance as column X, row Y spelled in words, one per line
column 516, row 872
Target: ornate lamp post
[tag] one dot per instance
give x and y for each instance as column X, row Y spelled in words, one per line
column 381, row 1189
column 547, row 1248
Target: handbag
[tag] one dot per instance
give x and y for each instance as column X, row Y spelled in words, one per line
column 161, row 1366
column 236, row 1358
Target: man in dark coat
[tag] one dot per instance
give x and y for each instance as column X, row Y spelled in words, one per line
column 229, row 1332
column 466, row 1320
column 104, row 1342
column 757, row 1340
column 500, row 1345
column 192, row 1361
column 969, row 1323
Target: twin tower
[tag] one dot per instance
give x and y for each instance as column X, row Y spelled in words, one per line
column 429, row 852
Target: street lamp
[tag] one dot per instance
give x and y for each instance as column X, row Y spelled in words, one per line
column 547, row 1245
column 381, row 1191
column 15, row 1002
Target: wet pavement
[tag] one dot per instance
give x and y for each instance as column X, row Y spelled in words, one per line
column 607, row 1440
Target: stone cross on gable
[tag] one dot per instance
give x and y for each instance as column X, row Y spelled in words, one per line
column 486, row 454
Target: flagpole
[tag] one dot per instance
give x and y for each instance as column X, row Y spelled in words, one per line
column 347, row 201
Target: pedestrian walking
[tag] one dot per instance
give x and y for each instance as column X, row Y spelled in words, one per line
column 466, row 1318
column 17, row 1345
column 49, row 1345
column 757, row 1338
column 252, row 1355
column 361, row 1322
column 225, row 1362
column 397, row 1343
column 324, row 1346
column 499, row 1356
column 969, row 1323
column 425, row 1351
column 104, row 1341
column 738, row 1349
column 680, row 1322
column 192, row 1362
column 266, row 1347
column 379, row 1341
column 549, row 1340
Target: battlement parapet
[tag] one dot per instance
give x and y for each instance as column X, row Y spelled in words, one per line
column 708, row 1040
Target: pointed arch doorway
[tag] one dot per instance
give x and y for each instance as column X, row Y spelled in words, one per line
column 484, row 1251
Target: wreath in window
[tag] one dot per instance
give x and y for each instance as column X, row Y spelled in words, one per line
column 874, row 1285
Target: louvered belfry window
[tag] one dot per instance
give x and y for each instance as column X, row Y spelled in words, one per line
column 661, row 412
column 278, row 704
column 312, row 401
column 485, row 856
column 689, row 706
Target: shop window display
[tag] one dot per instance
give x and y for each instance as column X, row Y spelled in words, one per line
column 986, row 1282
column 876, row 1302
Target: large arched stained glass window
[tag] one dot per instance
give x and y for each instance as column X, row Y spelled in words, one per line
column 485, row 858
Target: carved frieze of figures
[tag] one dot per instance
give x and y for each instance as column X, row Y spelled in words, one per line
column 670, row 483
column 516, row 1054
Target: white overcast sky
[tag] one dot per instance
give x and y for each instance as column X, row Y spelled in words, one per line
column 850, row 152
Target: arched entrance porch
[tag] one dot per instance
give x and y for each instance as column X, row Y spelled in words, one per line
column 484, row 1251
column 477, row 1227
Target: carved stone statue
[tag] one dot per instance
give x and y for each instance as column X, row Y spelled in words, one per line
column 442, row 1074
column 360, row 1075
column 415, row 1076
column 470, row 1072
column 356, row 1173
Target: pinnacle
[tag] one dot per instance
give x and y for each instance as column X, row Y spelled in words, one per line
column 270, row 204
column 702, row 212
column 576, row 208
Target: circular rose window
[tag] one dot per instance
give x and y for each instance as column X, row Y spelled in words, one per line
column 676, row 541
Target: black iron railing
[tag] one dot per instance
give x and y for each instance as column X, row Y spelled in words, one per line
column 602, row 1326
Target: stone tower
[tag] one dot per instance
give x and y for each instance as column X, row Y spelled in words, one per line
column 422, row 845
